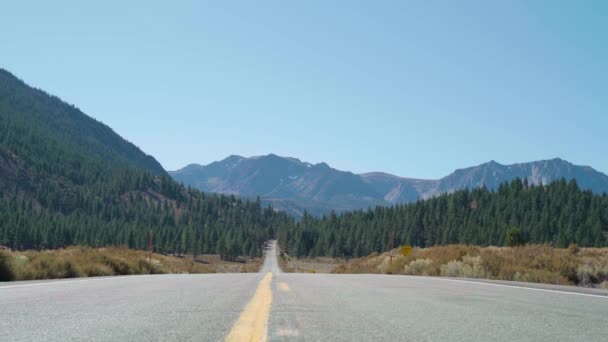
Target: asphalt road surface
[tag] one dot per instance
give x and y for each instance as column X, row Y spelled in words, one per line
column 297, row 307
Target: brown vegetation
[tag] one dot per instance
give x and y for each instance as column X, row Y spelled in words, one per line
column 532, row 263
column 75, row 262
column 308, row 265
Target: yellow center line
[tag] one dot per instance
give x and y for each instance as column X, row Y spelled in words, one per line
column 252, row 325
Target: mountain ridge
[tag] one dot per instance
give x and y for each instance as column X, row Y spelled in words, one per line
column 320, row 188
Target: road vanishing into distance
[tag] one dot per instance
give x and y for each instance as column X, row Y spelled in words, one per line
column 277, row 306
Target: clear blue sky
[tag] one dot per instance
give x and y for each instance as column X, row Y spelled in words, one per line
column 415, row 88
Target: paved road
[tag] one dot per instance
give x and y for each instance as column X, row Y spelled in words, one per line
column 300, row 307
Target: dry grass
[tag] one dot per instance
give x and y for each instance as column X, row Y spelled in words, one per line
column 76, row 262
column 309, row 265
column 240, row 265
column 531, row 263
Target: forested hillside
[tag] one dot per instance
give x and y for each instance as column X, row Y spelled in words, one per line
column 557, row 214
column 38, row 126
column 66, row 179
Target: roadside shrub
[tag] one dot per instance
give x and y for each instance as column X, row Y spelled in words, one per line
column 491, row 262
column 71, row 270
column 49, row 267
column 568, row 269
column 97, row 270
column 540, row 263
column 444, row 254
column 592, row 272
column 418, row 267
column 538, row 276
column 453, row 268
column 118, row 266
column 92, row 262
column 396, row 267
column 472, row 267
column 471, row 260
column 585, row 275
column 7, row 272
column 573, row 248
column 145, row 267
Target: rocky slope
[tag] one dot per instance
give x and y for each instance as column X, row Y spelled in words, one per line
column 295, row 186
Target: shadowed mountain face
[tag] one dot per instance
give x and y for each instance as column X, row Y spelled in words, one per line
column 287, row 183
column 293, row 185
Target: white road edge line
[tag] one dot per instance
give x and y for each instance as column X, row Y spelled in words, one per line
column 516, row 287
column 78, row 280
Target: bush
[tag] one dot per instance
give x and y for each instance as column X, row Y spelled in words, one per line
column 573, row 248
column 118, row 266
column 472, row 267
column 591, row 273
column 444, row 254
column 145, row 267
column 568, row 269
column 97, row 270
column 71, row 270
column 529, row 263
column 90, row 262
column 46, row 266
column 7, row 272
column 491, row 262
column 418, row 267
column 537, row 276
column 513, row 237
column 585, row 275
column 452, row 269
column 471, row 260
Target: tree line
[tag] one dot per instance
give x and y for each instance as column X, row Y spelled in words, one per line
column 195, row 224
column 517, row 212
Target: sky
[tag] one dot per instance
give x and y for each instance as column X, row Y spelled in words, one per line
column 413, row 88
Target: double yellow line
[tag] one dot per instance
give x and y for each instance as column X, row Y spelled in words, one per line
column 252, row 325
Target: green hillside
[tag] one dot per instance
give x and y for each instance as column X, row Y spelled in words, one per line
column 67, row 179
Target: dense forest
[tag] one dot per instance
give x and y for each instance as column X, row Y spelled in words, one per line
column 557, row 214
column 194, row 223
column 67, row 179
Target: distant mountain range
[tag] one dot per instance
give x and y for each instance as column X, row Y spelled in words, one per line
column 294, row 186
